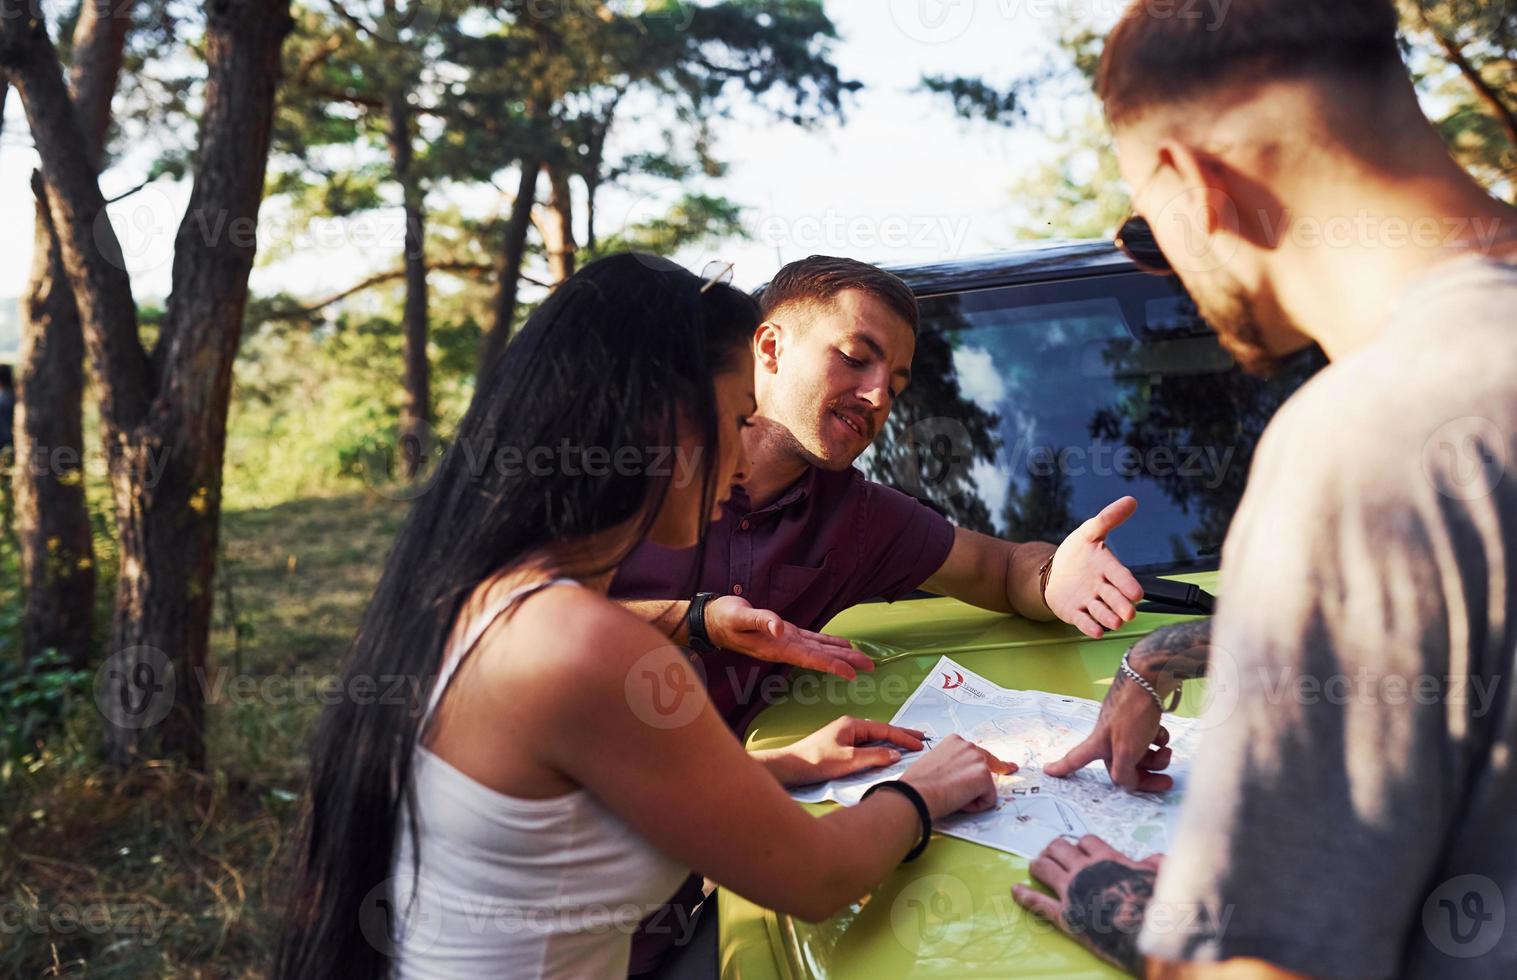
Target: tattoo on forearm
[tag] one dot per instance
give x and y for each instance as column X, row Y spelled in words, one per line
column 1105, row 906
column 1180, row 651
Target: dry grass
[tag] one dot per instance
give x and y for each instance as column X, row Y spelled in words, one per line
column 161, row 872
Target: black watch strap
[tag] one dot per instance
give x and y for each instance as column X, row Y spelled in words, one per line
column 695, row 619
column 909, row 791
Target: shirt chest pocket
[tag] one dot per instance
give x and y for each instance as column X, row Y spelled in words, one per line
column 789, row 582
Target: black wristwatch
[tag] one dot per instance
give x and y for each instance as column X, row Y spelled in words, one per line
column 695, row 619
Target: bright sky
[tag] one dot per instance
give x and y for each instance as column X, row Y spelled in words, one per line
column 901, row 180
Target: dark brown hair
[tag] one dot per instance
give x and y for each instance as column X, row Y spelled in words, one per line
column 1166, row 51
column 818, row 278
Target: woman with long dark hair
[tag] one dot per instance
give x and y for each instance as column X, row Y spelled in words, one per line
column 520, row 769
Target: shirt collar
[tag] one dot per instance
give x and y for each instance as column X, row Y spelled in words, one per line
column 796, row 492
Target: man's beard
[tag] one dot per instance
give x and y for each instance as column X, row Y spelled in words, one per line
column 1230, row 311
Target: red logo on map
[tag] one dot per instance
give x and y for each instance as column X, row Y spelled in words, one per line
column 951, row 681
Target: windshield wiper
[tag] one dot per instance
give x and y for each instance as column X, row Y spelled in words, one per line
column 1162, row 595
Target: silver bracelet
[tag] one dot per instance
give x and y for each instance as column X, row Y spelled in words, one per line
column 1138, row 678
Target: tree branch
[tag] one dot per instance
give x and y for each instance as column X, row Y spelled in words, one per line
column 379, row 279
column 324, row 51
column 348, row 96
column 1504, row 113
column 128, row 193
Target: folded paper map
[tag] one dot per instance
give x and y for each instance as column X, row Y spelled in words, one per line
column 1029, row 728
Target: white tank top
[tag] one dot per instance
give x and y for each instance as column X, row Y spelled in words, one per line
column 511, row 887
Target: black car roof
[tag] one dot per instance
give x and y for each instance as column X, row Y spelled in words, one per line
column 1022, row 263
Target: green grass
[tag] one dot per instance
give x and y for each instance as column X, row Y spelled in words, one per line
column 176, row 873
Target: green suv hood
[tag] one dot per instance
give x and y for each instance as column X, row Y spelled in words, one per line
column 949, row 914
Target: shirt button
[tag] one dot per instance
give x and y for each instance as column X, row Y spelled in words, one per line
column 737, row 589
column 744, row 525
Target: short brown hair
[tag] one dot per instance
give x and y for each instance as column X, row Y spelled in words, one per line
column 818, row 278
column 1158, row 53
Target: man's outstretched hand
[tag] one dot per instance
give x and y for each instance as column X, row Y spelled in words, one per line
column 733, row 624
column 1087, row 586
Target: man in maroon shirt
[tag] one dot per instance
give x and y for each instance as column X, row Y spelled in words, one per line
column 807, row 535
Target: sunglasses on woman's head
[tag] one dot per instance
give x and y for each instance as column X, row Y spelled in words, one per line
column 1136, row 240
column 715, row 273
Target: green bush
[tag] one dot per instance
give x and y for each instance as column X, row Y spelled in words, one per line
column 35, row 699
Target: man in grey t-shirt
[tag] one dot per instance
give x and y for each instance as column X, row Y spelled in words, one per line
column 1353, row 810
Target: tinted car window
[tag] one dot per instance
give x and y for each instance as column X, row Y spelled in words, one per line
column 1031, row 407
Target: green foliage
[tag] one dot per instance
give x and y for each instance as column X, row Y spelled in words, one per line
column 1077, row 194
column 973, row 98
column 34, row 697
column 1463, row 55
column 694, row 219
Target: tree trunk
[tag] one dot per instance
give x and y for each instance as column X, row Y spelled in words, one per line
column 592, row 185
column 558, row 225
column 508, row 267
column 164, row 418
column 52, row 519
column 52, row 516
column 416, row 413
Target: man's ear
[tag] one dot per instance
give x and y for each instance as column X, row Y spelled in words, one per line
column 768, row 340
column 1198, row 206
